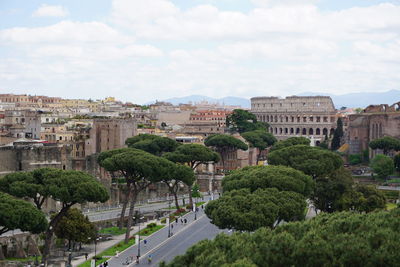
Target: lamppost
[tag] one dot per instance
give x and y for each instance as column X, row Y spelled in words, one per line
column 169, row 218
column 138, row 218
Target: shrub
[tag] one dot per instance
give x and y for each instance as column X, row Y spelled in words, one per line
column 151, row 225
column 355, row 159
column 164, row 220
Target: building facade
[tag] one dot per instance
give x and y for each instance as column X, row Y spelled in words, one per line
column 313, row 117
column 374, row 122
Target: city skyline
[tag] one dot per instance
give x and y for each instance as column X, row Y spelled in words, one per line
column 139, row 52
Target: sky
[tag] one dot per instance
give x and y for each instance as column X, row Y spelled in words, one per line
column 139, row 51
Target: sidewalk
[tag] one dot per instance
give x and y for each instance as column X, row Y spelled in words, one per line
column 101, row 246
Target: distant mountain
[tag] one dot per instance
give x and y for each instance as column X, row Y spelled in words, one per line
column 229, row 100
column 353, row 100
column 361, row 100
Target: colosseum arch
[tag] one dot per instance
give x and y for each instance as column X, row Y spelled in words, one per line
column 311, row 131
column 286, row 131
column 304, row 132
column 291, row 131
column 325, row 131
column 318, row 131
column 297, row 130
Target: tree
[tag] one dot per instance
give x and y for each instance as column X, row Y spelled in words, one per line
column 244, row 121
column 139, row 169
column 19, row 214
column 75, row 227
column 196, row 190
column 152, row 144
column 382, row 165
column 386, row 143
column 224, row 143
column 396, row 161
column 330, row 189
column 280, row 177
column 336, row 239
column 313, row 161
column 247, row 211
column 67, row 187
column 355, row 159
column 193, row 155
column 177, row 174
column 291, row 141
column 363, row 198
column 337, row 135
column 259, row 139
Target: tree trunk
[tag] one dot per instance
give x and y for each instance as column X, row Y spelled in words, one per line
column 176, row 199
column 131, row 208
column 190, row 196
column 50, row 231
column 124, row 205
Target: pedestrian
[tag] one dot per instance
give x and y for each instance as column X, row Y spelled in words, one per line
column 137, row 259
column 101, row 265
column 145, row 242
column 181, row 221
column 172, row 226
column 202, row 207
column 176, row 220
column 149, row 259
column 197, row 209
column 106, row 264
column 185, row 221
column 86, row 256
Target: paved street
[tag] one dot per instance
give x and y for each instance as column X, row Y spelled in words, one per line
column 114, row 213
column 163, row 248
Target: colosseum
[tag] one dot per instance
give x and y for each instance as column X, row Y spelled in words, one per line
column 309, row 116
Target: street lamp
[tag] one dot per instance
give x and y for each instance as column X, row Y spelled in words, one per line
column 169, row 218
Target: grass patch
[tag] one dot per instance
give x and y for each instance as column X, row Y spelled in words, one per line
column 27, row 259
column 390, row 206
column 198, row 204
column 148, row 231
column 113, row 231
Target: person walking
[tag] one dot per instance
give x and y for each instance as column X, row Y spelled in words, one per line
column 185, row 220
column 106, row 264
column 176, row 220
column 181, row 221
column 145, row 242
column 149, row 259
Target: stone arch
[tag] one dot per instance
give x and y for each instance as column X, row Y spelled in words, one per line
column 318, row 131
column 286, row 131
column 280, row 130
column 325, row 131
column 291, row 131
column 286, row 118
column 276, row 118
column 311, row 131
column 332, row 131
column 318, row 143
column 276, row 130
column 304, row 132
column 297, row 130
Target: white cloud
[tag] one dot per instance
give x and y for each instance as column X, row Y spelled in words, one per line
column 156, row 49
column 65, row 31
column 50, row 11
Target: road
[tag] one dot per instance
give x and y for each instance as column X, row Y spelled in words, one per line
column 163, row 248
column 115, row 213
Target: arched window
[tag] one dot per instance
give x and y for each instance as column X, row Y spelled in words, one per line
column 325, row 131
column 297, row 130
column 276, row 130
column 286, row 131
column 304, row 131
column 318, row 132
column 291, row 131
column 280, row 130
column 311, row 131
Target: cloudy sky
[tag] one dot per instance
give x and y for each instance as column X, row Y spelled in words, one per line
column 141, row 50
